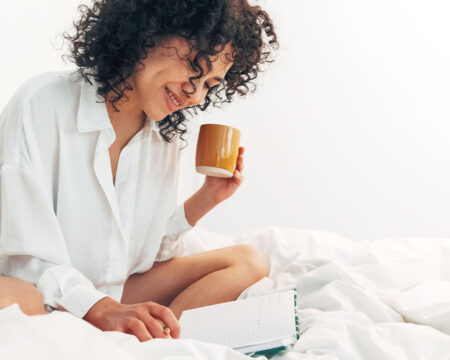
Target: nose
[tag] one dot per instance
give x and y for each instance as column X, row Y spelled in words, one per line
column 197, row 97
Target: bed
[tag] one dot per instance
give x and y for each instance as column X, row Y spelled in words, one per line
column 382, row 299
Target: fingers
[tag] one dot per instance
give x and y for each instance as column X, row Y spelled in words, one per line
column 155, row 327
column 139, row 329
column 145, row 327
column 138, row 320
column 165, row 328
column 238, row 177
column 167, row 317
column 240, row 160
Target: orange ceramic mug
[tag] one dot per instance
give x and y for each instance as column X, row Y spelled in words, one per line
column 217, row 150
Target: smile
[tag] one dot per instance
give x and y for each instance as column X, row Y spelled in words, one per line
column 172, row 97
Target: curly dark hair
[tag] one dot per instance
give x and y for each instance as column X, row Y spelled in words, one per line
column 113, row 36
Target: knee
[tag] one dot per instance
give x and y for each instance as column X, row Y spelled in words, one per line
column 25, row 294
column 254, row 262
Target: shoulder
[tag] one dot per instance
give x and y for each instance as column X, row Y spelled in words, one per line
column 36, row 110
column 45, row 89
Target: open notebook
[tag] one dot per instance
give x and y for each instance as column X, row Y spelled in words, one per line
column 263, row 325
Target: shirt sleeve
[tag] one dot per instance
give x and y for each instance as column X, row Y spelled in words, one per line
column 171, row 245
column 32, row 245
column 177, row 224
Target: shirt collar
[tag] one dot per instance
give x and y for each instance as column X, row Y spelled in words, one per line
column 93, row 115
column 153, row 125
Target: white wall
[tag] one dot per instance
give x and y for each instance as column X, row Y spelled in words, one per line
column 348, row 131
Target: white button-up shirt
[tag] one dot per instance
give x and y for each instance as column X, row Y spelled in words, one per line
column 64, row 225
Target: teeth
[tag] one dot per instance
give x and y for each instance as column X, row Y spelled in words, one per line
column 173, row 98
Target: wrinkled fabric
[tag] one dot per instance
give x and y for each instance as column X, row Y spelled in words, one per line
column 384, row 299
column 371, row 300
column 61, row 335
column 65, row 226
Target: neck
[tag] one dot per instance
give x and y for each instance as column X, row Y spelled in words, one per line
column 130, row 110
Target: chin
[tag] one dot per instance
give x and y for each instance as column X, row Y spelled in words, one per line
column 155, row 116
column 159, row 118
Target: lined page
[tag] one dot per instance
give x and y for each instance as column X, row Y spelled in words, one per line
column 242, row 322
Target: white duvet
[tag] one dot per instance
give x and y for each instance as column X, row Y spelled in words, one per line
column 384, row 299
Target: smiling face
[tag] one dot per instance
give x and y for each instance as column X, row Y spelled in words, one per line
column 162, row 86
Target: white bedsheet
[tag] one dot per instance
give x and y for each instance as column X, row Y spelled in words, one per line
column 384, row 299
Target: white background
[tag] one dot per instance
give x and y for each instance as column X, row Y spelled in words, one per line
column 348, row 132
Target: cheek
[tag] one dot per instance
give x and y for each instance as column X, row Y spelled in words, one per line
column 179, row 72
column 146, row 88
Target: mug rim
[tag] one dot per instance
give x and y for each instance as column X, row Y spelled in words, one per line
column 223, row 125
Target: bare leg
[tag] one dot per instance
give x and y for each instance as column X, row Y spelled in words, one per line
column 198, row 280
column 25, row 294
column 216, row 287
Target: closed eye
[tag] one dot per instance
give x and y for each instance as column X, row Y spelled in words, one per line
column 211, row 87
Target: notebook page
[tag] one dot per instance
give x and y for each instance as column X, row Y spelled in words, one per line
column 242, row 322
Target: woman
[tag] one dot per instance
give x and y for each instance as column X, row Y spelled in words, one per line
column 90, row 219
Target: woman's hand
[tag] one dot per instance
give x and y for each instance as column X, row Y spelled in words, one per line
column 222, row 188
column 144, row 320
column 213, row 191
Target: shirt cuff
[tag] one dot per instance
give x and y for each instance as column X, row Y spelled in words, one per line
column 79, row 299
column 177, row 223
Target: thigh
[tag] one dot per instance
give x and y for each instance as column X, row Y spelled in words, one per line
column 25, row 294
column 165, row 280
